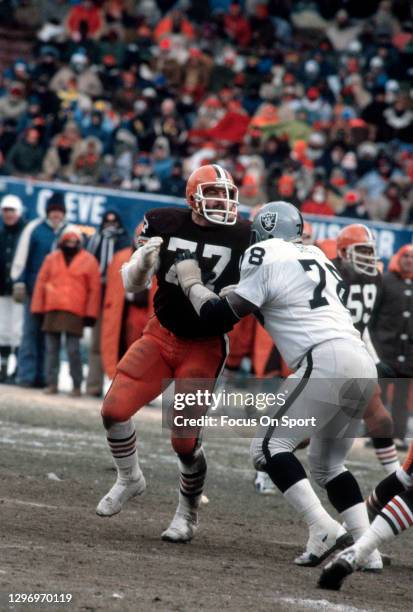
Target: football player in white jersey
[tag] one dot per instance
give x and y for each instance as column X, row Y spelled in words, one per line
column 295, row 291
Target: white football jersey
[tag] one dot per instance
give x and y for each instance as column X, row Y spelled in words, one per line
column 297, row 290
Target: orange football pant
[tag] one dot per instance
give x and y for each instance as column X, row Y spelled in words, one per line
column 156, row 356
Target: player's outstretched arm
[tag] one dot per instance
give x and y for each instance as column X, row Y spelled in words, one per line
column 220, row 314
column 138, row 271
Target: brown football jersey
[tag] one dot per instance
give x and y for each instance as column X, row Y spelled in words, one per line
column 218, row 248
column 360, row 294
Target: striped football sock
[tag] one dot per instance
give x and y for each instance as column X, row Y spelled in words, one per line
column 193, row 471
column 386, row 453
column 395, row 517
column 121, row 438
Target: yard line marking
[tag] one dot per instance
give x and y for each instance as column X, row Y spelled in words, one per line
column 20, row 502
column 321, row 604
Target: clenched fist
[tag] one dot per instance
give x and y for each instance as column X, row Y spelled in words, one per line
column 149, row 252
column 137, row 272
column 187, row 271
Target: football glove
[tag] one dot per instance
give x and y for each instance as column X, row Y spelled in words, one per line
column 227, row 290
column 187, row 270
column 136, row 273
column 149, row 252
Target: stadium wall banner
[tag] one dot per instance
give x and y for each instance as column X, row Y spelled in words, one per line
column 85, row 206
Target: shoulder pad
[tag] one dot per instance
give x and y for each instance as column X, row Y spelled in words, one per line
column 166, row 220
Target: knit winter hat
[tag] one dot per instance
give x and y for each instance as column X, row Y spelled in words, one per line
column 56, row 202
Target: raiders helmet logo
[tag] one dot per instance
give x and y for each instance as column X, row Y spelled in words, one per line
column 269, row 221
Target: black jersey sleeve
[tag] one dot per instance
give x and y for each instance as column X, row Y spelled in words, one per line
column 218, row 316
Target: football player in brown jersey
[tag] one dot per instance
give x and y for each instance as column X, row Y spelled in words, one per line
column 391, row 513
column 357, row 263
column 175, row 344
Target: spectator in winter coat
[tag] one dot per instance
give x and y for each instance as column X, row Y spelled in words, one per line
column 11, row 313
column 67, row 293
column 392, row 334
column 109, row 238
column 354, row 207
column 26, row 156
column 85, row 20
column 36, row 241
column 13, row 104
column 124, row 314
column 318, row 204
column 174, row 185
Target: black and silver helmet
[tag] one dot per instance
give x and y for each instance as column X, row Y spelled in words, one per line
column 277, row 220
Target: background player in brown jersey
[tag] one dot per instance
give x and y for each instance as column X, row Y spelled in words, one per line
column 358, row 265
column 175, row 344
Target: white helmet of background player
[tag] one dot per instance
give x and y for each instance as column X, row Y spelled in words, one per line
column 203, row 182
column 356, row 245
column 277, row 220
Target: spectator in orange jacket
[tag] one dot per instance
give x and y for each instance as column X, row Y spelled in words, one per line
column 67, row 292
column 124, row 315
column 174, row 22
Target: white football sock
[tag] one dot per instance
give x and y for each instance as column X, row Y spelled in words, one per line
column 378, row 532
column 405, row 478
column 302, row 497
column 388, row 458
column 356, row 520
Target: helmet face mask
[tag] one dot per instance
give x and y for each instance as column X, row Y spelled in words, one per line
column 212, row 195
column 356, row 245
column 221, row 208
column 362, row 256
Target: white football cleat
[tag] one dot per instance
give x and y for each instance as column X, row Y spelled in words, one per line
column 120, row 493
column 334, row 573
column 373, row 563
column 322, row 543
column 264, row 485
column 182, row 527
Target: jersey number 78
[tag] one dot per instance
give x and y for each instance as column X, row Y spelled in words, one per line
column 318, row 298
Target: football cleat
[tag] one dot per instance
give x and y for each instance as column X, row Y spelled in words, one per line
column 374, row 563
column 335, row 572
column 182, row 527
column 123, row 490
column 264, row 485
column 322, row 544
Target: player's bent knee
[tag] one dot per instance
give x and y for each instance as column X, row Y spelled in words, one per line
column 184, row 446
column 322, row 475
column 123, row 399
column 261, row 449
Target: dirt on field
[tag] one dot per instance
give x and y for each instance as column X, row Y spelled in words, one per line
column 54, row 467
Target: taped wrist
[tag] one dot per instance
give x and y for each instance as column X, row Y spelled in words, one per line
column 135, row 274
column 199, row 294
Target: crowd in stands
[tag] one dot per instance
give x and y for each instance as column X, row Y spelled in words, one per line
column 308, row 102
